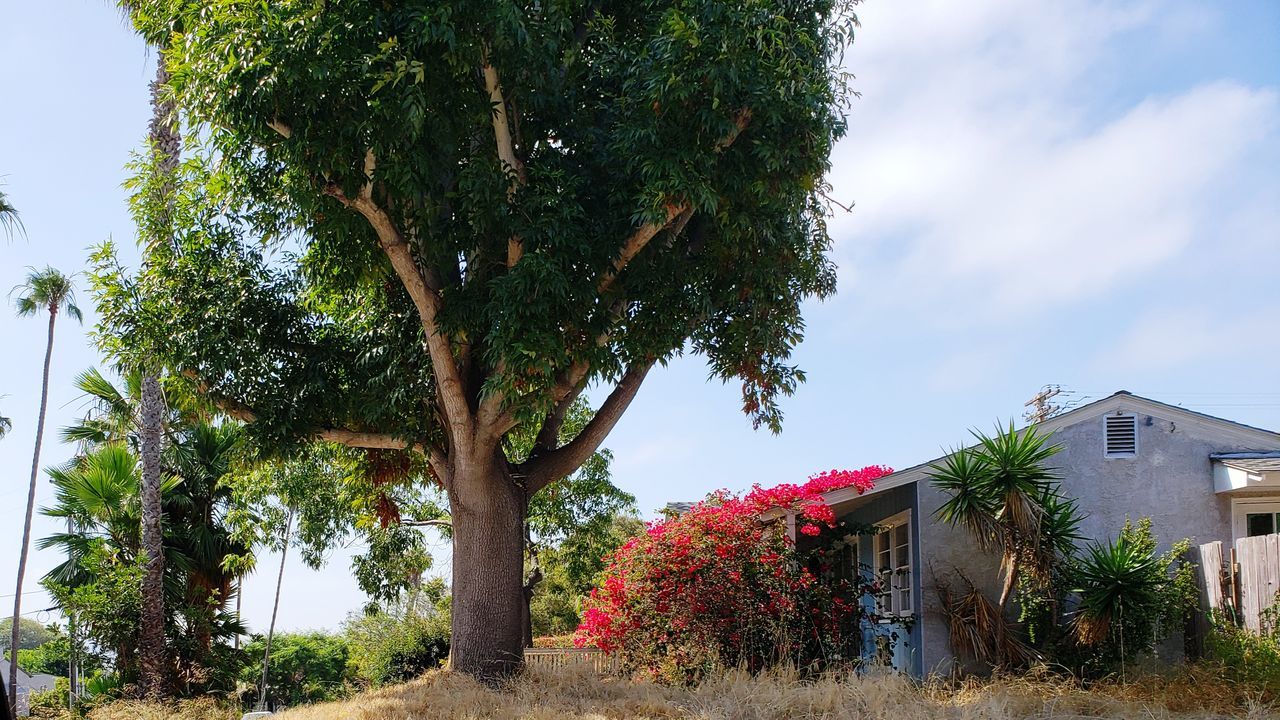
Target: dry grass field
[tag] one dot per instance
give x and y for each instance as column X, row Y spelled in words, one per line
column 569, row 694
column 573, row 695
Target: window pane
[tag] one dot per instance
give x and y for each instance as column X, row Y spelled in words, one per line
column 1260, row 523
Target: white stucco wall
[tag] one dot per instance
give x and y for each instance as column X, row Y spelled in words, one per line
column 1170, row 480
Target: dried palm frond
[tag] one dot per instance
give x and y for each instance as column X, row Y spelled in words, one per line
column 977, row 629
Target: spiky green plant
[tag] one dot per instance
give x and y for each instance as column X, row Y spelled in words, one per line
column 1003, row 491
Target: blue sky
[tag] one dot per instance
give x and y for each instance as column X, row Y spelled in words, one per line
column 1074, row 193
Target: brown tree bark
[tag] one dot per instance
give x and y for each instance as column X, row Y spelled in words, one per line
column 166, row 144
column 488, row 510
column 26, row 528
column 151, row 644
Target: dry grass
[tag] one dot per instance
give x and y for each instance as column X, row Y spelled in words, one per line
column 572, row 694
column 202, row 709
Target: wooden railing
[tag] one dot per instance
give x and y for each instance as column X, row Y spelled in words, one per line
column 570, row 657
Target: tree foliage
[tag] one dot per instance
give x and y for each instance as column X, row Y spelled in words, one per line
column 428, row 226
column 31, row 634
column 305, row 668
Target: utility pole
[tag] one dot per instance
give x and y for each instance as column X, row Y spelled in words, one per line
column 1041, row 407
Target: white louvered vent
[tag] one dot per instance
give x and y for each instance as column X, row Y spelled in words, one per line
column 1122, row 435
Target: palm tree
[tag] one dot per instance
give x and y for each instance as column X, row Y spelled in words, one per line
column 197, row 457
column 9, row 219
column 165, row 141
column 5, row 426
column 44, row 290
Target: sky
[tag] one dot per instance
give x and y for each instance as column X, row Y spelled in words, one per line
column 1084, row 194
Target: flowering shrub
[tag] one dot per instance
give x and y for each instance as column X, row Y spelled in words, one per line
column 717, row 586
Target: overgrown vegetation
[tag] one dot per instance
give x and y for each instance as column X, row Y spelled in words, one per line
column 1095, row 610
column 1247, row 657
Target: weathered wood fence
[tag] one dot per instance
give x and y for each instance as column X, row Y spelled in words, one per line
column 1240, row 582
column 570, row 657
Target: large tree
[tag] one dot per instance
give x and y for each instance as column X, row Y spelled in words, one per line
column 48, row 291
column 424, row 226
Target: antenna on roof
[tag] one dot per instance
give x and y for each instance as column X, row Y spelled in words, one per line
column 1041, row 407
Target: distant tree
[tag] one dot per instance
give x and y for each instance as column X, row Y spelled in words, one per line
column 9, row 219
column 306, row 668
column 5, row 426
column 31, row 634
column 49, row 291
column 487, row 209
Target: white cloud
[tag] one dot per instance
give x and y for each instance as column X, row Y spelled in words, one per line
column 994, row 175
column 1172, row 338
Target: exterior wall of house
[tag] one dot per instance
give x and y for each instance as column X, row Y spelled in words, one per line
column 870, row 511
column 1170, row 480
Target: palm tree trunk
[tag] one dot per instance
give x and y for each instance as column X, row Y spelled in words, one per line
column 165, row 143
column 153, row 613
column 26, row 528
column 275, row 608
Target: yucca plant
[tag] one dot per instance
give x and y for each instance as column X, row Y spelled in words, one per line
column 1003, row 491
column 1115, row 579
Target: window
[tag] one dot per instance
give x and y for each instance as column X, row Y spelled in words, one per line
column 893, row 565
column 1251, row 518
column 1121, row 435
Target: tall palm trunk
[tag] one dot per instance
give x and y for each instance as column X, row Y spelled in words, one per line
column 165, row 143
column 26, row 528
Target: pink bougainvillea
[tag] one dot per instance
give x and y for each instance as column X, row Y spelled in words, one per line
column 721, row 585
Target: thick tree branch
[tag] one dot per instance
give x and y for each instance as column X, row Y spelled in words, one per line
column 423, row 290
column 506, row 149
column 549, row 434
column 544, row 469
column 351, row 438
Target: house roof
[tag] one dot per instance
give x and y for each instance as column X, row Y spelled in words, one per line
column 1251, row 461
column 1084, row 412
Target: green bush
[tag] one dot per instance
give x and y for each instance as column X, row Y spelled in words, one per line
column 51, row 703
column 400, row 641
column 1250, row 658
column 305, row 668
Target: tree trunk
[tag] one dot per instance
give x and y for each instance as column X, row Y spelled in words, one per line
column 526, row 610
column 488, row 511
column 26, row 528
column 152, row 649
column 166, row 143
column 1010, row 581
column 275, row 608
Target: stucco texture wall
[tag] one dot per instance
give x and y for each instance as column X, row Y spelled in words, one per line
column 1170, row 480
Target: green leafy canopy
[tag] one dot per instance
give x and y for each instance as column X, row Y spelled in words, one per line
column 354, row 222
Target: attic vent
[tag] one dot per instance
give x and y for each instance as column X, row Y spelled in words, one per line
column 1122, row 435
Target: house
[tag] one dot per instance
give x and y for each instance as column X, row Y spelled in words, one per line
column 27, row 684
column 1125, row 456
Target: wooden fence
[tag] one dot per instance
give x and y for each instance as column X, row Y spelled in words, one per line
column 1241, row 582
column 570, row 657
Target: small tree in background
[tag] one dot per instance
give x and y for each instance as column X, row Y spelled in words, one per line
column 716, row 586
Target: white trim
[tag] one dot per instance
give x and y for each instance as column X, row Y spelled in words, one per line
column 1242, row 507
column 894, row 574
